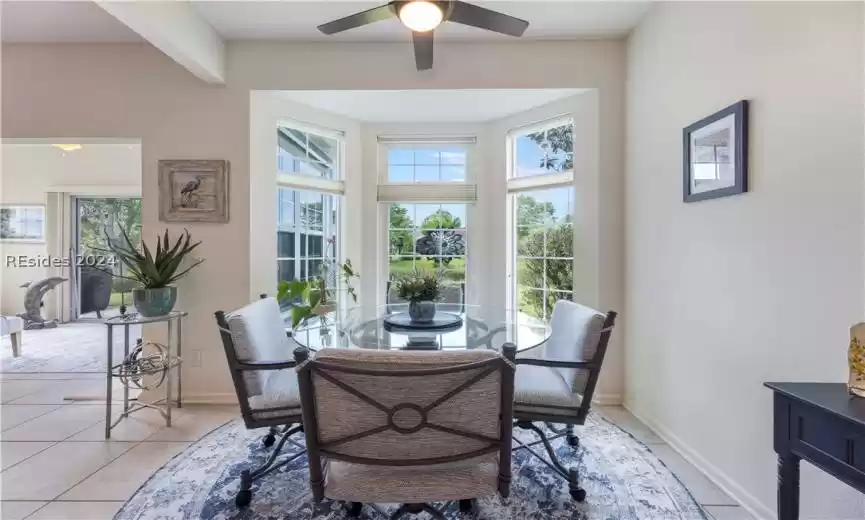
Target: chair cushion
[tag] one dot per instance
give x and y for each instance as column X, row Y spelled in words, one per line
column 258, row 333
column 412, row 484
column 575, row 331
column 10, row 325
column 279, row 390
column 540, row 386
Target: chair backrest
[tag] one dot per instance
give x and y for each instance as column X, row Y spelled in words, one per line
column 578, row 333
column 253, row 333
column 453, row 297
column 406, row 408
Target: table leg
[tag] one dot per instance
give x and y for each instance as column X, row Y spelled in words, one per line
column 108, row 389
column 125, row 357
column 180, row 367
column 168, row 378
column 788, row 487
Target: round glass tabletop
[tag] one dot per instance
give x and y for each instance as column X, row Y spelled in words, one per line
column 386, row 327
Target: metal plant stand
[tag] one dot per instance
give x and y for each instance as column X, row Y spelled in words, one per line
column 147, row 367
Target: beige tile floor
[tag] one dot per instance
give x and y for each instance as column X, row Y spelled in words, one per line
column 56, row 465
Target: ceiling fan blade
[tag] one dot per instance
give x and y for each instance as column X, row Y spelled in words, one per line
column 483, row 18
column 367, row 17
column 423, row 49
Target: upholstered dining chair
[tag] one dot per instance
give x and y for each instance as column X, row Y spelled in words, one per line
column 407, row 427
column 260, row 357
column 555, row 381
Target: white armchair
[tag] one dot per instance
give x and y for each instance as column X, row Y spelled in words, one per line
column 12, row 326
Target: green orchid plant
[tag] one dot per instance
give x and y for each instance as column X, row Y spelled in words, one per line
column 313, row 297
column 154, row 271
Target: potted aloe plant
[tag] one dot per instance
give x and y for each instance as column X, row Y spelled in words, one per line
column 421, row 289
column 155, row 273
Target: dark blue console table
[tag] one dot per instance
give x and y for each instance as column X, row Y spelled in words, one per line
column 823, row 424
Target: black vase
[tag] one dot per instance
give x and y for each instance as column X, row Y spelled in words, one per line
column 422, row 312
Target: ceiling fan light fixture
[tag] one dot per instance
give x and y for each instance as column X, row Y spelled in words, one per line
column 421, row 15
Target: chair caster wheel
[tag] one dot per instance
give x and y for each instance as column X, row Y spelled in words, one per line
column 243, row 499
column 268, row 440
column 573, row 441
column 578, row 494
column 354, row 509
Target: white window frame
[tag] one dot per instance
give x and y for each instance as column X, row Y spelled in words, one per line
column 526, row 185
column 331, row 222
column 441, row 192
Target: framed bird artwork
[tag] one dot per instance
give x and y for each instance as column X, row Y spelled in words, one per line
column 193, row 190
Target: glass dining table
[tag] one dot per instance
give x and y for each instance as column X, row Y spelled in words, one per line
column 387, row 327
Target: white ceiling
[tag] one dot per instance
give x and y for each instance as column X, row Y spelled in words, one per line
column 83, row 21
column 297, row 20
column 428, row 106
column 78, row 22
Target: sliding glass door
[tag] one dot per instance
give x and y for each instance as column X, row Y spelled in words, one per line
column 99, row 286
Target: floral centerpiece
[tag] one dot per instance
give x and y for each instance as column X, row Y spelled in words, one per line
column 421, row 289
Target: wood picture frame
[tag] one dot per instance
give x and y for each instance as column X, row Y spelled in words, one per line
column 715, row 155
column 193, row 190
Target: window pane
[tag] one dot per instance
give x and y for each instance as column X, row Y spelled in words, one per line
column 545, row 151
column 306, row 153
column 401, row 242
column 400, row 265
column 316, row 246
column 397, row 173
column 427, row 164
column 426, row 156
column 424, row 173
column 453, row 173
column 531, row 302
column 452, row 155
column 285, row 270
column 285, row 244
column 530, row 242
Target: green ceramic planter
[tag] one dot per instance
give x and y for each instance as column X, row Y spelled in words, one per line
column 154, row 302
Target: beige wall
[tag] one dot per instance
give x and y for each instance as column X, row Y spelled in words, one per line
column 134, row 91
column 29, row 171
column 725, row 294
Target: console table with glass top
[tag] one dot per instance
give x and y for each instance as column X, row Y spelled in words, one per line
column 134, row 371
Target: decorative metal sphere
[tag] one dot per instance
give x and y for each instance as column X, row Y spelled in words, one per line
column 133, row 372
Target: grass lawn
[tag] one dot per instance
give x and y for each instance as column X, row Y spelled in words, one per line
column 456, row 271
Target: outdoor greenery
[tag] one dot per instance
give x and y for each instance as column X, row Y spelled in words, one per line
column 418, row 286
column 437, row 243
column 98, row 217
column 456, row 270
column 545, row 240
column 154, row 271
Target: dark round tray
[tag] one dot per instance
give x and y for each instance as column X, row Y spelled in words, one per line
column 441, row 321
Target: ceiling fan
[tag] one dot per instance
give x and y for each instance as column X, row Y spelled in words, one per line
column 423, row 16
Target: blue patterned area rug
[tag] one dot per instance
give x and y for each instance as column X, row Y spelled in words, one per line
column 622, row 478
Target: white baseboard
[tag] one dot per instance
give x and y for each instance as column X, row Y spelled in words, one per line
column 745, row 499
column 607, row 399
column 226, row 398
